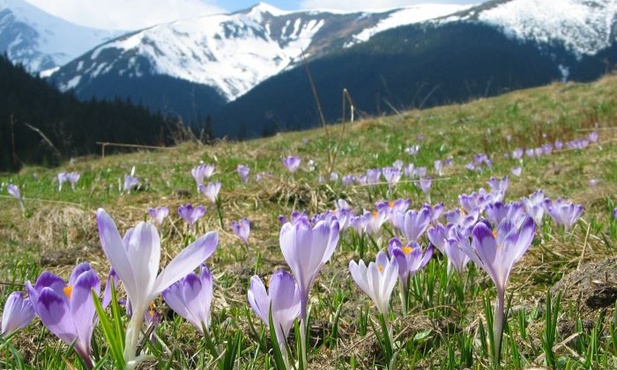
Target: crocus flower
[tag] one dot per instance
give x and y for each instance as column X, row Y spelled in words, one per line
column 18, row 312
column 425, row 185
column 211, row 190
column 158, row 214
column 534, row 206
column 130, row 182
column 243, row 171
column 71, row 177
column 14, row 192
column 496, row 254
column 282, row 302
column 413, row 223
column 242, row 229
column 191, row 214
column 563, row 212
column 392, row 176
column 516, row 171
column 377, row 279
column 410, row 260
column 68, row 310
column 438, row 164
column 373, row 176
column 61, row 180
column 292, row 163
column 201, row 172
column 615, row 213
column 135, row 259
column 306, row 250
column 191, row 298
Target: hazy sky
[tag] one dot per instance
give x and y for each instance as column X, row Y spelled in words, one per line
column 132, row 14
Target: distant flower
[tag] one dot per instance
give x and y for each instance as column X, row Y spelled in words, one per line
column 71, row 177
column 516, row 171
column 373, row 176
column 438, row 164
column 191, row 214
column 412, row 150
column 136, row 259
column 615, row 213
column 201, row 172
column 517, row 153
column 18, row 313
column 191, row 297
column 13, row 190
column 334, row 176
column 498, row 188
column 593, row 136
column 377, row 279
column 563, row 212
column 349, row 180
column 594, row 182
column 392, row 176
column 242, row 229
column 211, row 190
column 158, row 214
column 558, row 145
column 243, row 171
column 425, row 184
column 292, row 163
column 130, row 182
column 68, row 310
column 282, row 303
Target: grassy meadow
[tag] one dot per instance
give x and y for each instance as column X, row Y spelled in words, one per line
column 561, row 295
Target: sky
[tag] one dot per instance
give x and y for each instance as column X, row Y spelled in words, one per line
column 135, row 14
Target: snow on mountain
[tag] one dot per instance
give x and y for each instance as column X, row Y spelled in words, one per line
column 41, row 41
column 584, row 26
column 409, row 15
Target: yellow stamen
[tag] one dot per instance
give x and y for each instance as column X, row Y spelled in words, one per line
column 152, row 310
column 495, row 233
column 463, row 212
column 379, row 268
column 67, row 291
column 407, row 250
column 375, row 214
column 391, row 204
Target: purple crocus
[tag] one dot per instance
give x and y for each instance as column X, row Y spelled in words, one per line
column 306, row 250
column 191, row 298
column 130, row 182
column 13, row 191
column 410, row 260
column 211, row 190
column 392, row 176
column 242, row 229
column 292, row 163
column 615, row 213
column 158, row 214
column 282, row 303
column 71, row 177
column 244, row 171
column 136, row 259
column 68, row 310
column 201, row 172
column 18, row 313
column 425, row 185
column 496, row 253
column 373, row 176
column 191, row 214
column 61, row 180
column 534, row 206
column 413, row 223
column 563, row 212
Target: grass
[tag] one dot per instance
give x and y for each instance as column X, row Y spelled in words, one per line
column 446, row 326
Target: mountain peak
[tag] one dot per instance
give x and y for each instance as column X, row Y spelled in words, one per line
column 261, row 8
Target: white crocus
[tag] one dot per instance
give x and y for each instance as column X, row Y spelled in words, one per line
column 136, row 259
column 377, row 279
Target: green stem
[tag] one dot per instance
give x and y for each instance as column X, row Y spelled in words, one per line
column 133, row 332
column 498, row 321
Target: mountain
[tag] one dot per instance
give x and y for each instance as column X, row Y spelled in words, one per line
column 221, row 57
column 40, row 41
column 39, row 125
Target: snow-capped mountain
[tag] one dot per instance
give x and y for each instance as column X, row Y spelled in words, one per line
column 582, row 26
column 40, row 41
column 233, row 52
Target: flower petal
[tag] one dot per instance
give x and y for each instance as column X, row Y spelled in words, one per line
column 115, row 251
column 258, row 299
column 186, row 261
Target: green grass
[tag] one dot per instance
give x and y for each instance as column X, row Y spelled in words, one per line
column 445, row 327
